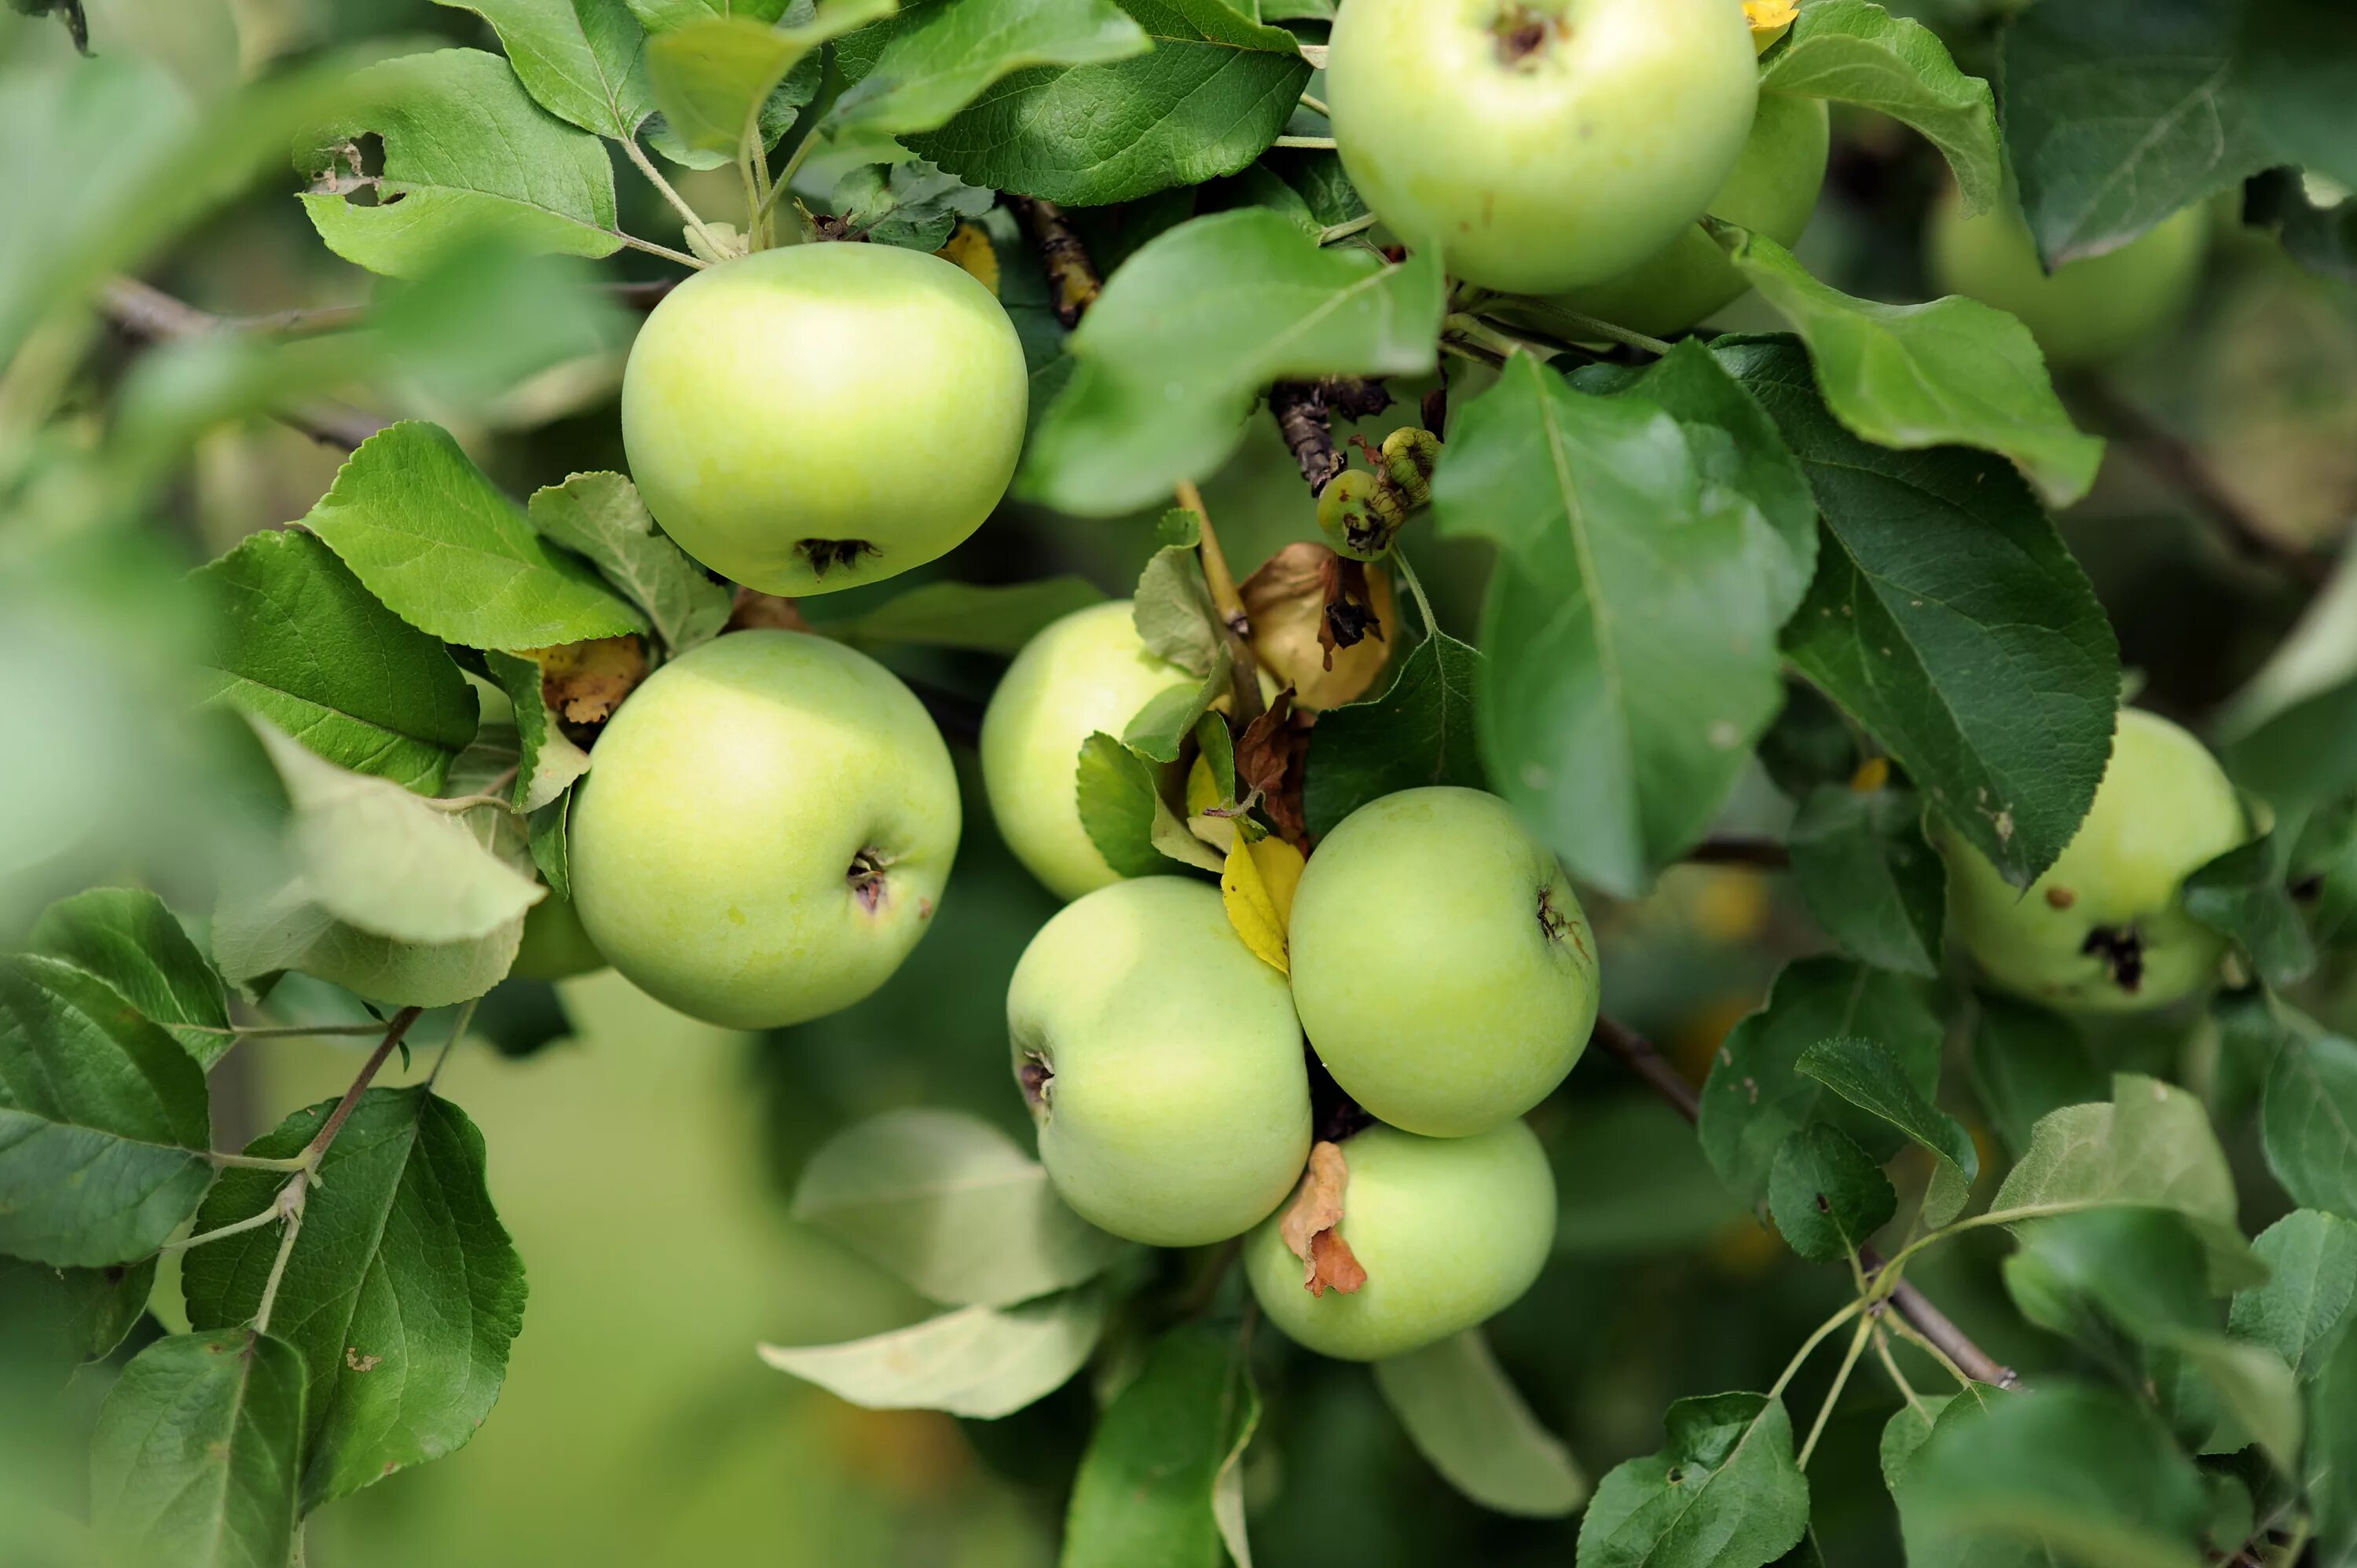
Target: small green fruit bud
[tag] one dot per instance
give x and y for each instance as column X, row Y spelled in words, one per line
column 1359, row 513
column 1409, row 456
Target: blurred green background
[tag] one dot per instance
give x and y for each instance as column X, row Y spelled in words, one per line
column 644, row 1163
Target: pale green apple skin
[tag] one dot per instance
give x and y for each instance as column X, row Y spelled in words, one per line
column 1177, row 1108
column 1451, row 1230
column 2087, row 311
column 713, row 842
column 555, row 946
column 1563, row 167
column 829, row 393
column 1772, row 191
column 1430, row 984
column 1087, row 672
column 2165, row 807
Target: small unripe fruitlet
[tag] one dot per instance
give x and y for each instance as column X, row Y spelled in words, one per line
column 1359, row 514
column 1451, row 1230
column 766, row 832
column 819, row 416
column 1543, row 144
column 2086, row 311
column 1162, row 1064
column 1441, row 964
column 1089, row 672
column 554, row 945
column 2104, row 929
column 1410, row 455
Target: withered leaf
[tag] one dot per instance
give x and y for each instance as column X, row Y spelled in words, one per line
column 1308, row 1227
column 584, row 683
column 1320, row 623
column 1269, row 761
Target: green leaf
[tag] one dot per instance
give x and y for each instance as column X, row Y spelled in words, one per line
column 909, row 203
column 1870, row 1078
column 2026, row 1062
column 1214, row 91
column 2140, row 1268
column 2118, row 113
column 2311, row 1260
column 60, row 1319
column 194, row 1459
column 1952, row 373
column 662, row 16
column 1757, row 1097
column 1909, row 1429
column 303, row 644
column 2071, row 1473
column 984, row 618
column 1948, row 616
column 1118, row 803
column 547, row 762
column 2308, row 1120
column 1159, row 730
column 1631, row 622
column 948, row 1204
column 2332, row 1461
column 1852, row 51
column 1172, row 608
column 582, row 60
column 262, row 927
column 546, row 839
column 129, row 939
column 600, row 516
column 104, row 1121
column 2150, row 1146
column 402, row 1292
column 1191, row 327
column 941, row 56
column 1143, row 1496
column 1862, row 867
column 1468, row 1420
column 383, row 859
column 1421, row 732
column 981, row 1361
column 434, row 538
column 1724, row 1492
column 2293, row 69
column 466, row 151
column 2243, row 895
column 712, row 77
column 1828, row 1195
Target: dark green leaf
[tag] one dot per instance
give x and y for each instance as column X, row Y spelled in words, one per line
column 1117, row 803
column 2295, row 66
column 1872, row 1078
column 1144, row 1495
column 994, row 618
column 2312, row 1258
column 1419, row 733
column 1866, row 872
column 602, row 516
column 911, row 203
column 1949, row 619
column 1810, row 744
column 2142, row 1268
column 1757, row 1097
column 304, row 645
column 1172, row 610
column 2243, row 895
column 545, row 830
column 104, row 1121
column 195, row 1458
column 1827, row 1194
column 1724, row 1492
column 939, row 56
column 129, row 939
column 581, row 60
column 59, row 1318
column 547, row 762
column 1470, row 1424
column 2302, row 754
column 402, row 1294
column 2027, row 1061
column 712, row 77
column 2323, row 870
column 2332, row 1460
column 1158, row 730
column 2308, row 1120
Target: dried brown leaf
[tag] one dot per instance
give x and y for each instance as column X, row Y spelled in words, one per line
column 584, row 683
column 1270, row 756
column 1320, row 623
column 1308, row 1226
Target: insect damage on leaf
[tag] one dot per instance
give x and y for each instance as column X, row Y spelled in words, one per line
column 1310, row 1226
column 1320, row 623
column 584, row 683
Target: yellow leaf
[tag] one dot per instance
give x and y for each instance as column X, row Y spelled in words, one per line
column 1202, row 795
column 1769, row 19
column 1258, row 887
column 969, row 247
column 1871, row 775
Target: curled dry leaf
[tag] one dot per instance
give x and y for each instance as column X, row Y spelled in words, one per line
column 1320, row 623
column 584, row 683
column 1309, row 1230
column 1269, row 760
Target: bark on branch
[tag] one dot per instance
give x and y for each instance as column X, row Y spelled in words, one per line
column 1305, row 415
column 1072, row 279
column 1740, row 848
column 150, row 315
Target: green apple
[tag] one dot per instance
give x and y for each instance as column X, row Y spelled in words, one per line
column 2085, row 311
column 1441, row 964
column 1544, row 145
column 2104, row 929
column 1451, row 1230
column 1772, row 191
column 1086, row 672
column 824, row 415
column 554, row 947
column 1162, row 1064
column 765, row 830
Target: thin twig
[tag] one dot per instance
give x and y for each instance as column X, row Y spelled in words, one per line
column 1415, row 591
column 1315, row 106
column 1740, row 848
column 671, row 194
column 651, row 248
column 144, row 312
column 1359, row 225
column 1307, row 144
column 1071, row 277
column 1841, row 1381
column 1243, row 665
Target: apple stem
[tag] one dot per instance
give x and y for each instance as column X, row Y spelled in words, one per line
column 632, row 150
column 1307, row 143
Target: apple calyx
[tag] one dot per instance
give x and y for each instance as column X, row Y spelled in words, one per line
column 1522, row 31
column 1310, row 1226
column 1038, row 1080
column 869, row 868
column 826, row 553
column 2121, row 949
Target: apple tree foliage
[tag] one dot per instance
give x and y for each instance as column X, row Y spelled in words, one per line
column 1827, row 548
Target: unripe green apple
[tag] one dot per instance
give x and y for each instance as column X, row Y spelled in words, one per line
column 1772, row 191
column 1451, row 1230
column 555, row 946
column 2086, row 311
column 2104, row 929
column 765, row 830
column 819, row 416
column 1086, row 672
column 1162, row 1064
column 1441, row 964
column 1543, row 144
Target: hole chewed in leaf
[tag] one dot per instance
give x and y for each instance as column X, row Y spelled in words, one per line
column 2121, row 949
column 1309, row 1226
